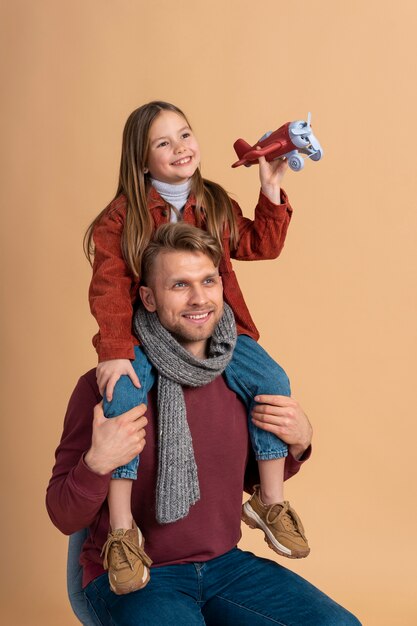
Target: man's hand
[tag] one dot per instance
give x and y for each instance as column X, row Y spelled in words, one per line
column 116, row 441
column 285, row 418
column 109, row 372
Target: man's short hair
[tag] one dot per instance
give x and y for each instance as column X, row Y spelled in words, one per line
column 179, row 237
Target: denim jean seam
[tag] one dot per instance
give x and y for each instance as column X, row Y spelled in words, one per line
column 124, row 474
column 102, row 602
column 92, row 609
column 199, row 582
column 268, row 456
column 147, row 375
column 241, row 382
column 256, row 612
column 265, row 444
column 143, row 385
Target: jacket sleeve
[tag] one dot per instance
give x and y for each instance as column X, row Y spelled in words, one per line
column 112, row 290
column 263, row 237
column 75, row 493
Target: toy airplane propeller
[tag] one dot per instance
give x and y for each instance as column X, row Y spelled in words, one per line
column 290, row 140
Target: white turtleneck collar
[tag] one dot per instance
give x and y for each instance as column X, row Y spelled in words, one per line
column 176, row 195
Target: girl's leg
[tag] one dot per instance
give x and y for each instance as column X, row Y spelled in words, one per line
column 252, row 372
column 119, row 501
column 125, row 397
column 271, row 475
column 128, row 565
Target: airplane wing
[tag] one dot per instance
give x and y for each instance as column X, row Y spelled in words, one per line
column 252, row 155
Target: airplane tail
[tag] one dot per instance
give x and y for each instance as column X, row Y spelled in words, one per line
column 241, row 147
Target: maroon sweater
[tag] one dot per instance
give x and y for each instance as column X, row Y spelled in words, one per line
column 76, row 496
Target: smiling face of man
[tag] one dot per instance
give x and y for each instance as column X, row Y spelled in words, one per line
column 185, row 289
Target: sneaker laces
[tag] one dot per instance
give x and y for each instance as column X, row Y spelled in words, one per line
column 288, row 517
column 122, row 546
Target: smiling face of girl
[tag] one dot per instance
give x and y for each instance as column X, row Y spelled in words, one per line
column 173, row 153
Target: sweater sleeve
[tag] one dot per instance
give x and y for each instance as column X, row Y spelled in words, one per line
column 112, row 288
column 262, row 238
column 75, row 493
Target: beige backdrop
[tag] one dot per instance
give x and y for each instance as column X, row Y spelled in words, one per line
column 338, row 309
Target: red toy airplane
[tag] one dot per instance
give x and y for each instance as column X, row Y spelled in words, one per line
column 290, row 141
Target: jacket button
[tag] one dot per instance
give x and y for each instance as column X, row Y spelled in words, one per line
column 165, row 213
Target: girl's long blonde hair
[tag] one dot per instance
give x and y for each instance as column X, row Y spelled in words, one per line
column 134, row 184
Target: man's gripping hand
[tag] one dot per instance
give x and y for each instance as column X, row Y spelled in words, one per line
column 116, row 441
column 284, row 417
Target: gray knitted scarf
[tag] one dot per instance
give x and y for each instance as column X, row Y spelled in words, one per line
column 177, row 485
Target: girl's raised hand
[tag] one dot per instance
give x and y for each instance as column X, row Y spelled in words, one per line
column 109, row 372
column 271, row 174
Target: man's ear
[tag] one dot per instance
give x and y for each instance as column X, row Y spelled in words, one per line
column 148, row 299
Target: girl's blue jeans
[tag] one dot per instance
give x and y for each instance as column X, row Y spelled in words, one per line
column 250, row 372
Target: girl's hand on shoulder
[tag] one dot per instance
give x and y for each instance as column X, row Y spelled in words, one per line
column 109, row 372
column 271, row 174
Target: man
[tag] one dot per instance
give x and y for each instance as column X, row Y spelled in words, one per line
column 199, row 575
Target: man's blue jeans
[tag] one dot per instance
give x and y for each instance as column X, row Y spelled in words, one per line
column 235, row 589
column 250, row 372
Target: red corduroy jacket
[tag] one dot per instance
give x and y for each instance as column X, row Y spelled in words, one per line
column 113, row 289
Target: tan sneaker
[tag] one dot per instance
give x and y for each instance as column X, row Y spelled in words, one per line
column 284, row 532
column 126, row 560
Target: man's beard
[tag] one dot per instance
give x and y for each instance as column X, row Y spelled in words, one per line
column 183, row 334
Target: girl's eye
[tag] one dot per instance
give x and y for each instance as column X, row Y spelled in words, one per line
column 162, row 144
column 186, row 135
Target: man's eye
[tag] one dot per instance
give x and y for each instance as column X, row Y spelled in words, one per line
column 209, row 281
column 179, row 285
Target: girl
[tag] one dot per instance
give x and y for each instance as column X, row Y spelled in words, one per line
column 160, row 181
